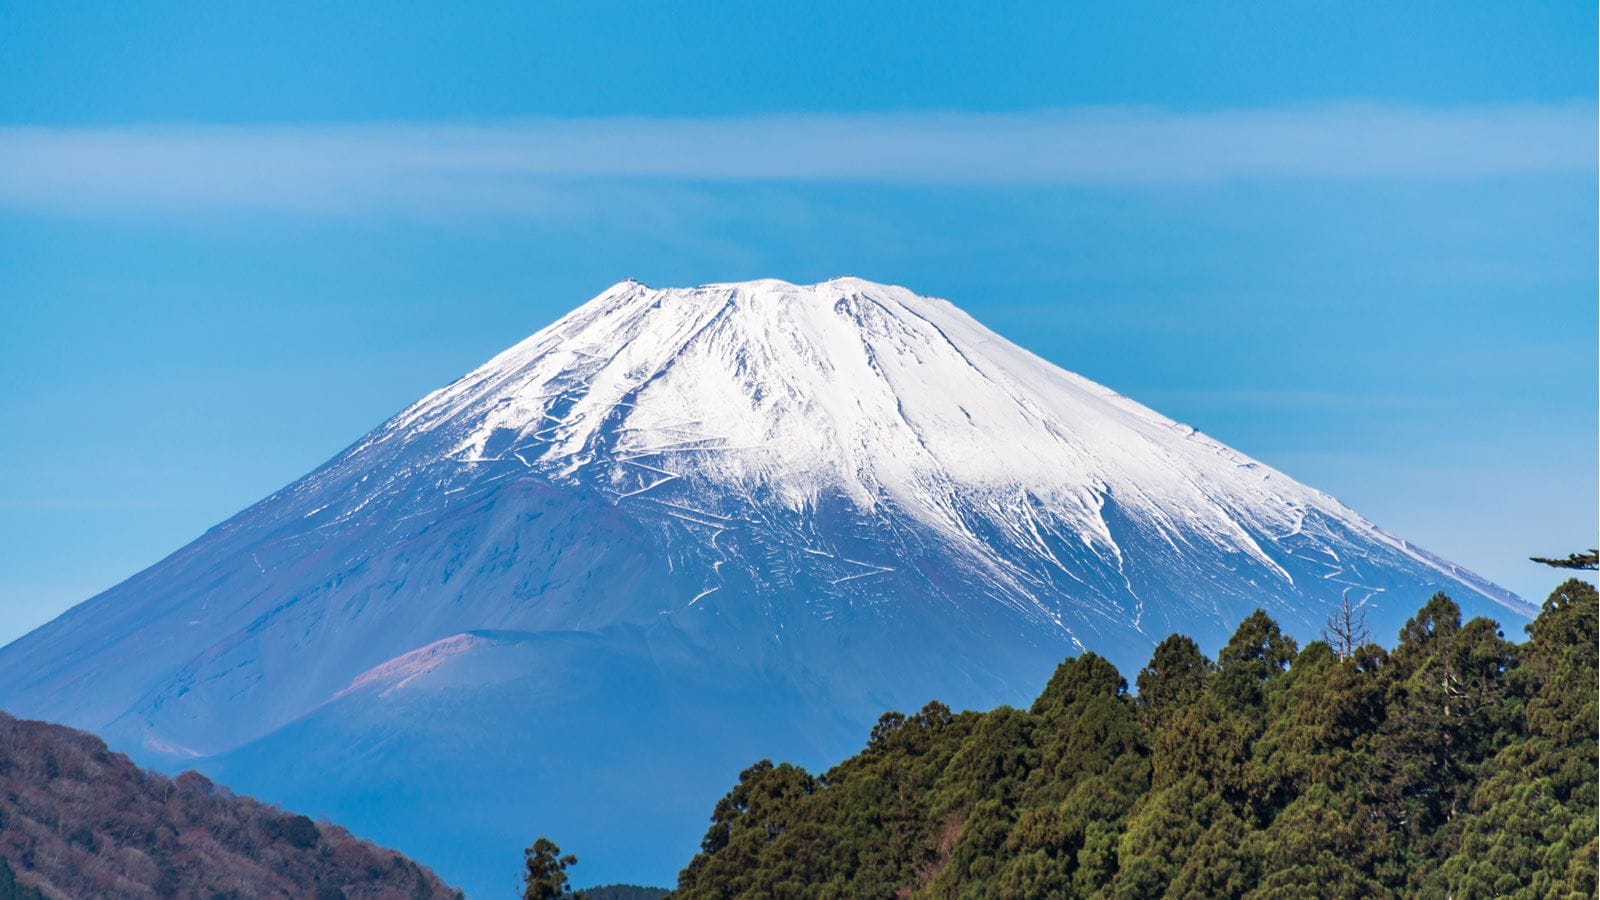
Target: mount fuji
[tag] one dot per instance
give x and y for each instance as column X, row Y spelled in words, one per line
column 574, row 592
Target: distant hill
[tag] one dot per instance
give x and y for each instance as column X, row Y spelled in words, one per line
column 614, row 892
column 77, row 820
column 1459, row 764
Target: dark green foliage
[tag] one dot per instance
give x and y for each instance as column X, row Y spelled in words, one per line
column 1529, row 828
column 545, row 871
column 11, row 889
column 296, row 831
column 1461, row 764
column 623, row 892
column 1174, row 679
column 1257, row 652
column 1589, row 560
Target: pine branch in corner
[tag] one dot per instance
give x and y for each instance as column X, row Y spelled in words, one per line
column 1590, row 560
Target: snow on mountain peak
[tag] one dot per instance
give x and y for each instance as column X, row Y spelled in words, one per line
column 863, row 389
column 844, row 383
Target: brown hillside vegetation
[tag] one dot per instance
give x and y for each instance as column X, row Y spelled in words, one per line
column 77, row 820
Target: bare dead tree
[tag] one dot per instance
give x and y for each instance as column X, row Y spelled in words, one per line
column 1347, row 627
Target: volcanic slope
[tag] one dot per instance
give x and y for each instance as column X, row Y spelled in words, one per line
column 577, row 590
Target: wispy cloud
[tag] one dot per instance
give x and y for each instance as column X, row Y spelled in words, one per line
column 531, row 165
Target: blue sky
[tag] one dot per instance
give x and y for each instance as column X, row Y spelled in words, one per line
column 1356, row 241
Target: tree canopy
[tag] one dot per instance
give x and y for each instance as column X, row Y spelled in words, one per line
column 545, row 871
column 1458, row 764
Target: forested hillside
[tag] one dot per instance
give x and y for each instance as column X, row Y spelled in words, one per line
column 77, row 820
column 1460, row 763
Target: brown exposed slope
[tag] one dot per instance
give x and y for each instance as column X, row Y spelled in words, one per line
column 77, row 820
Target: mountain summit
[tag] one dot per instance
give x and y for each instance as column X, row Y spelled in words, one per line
column 677, row 530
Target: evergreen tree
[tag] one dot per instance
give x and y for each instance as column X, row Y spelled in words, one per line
column 1460, row 765
column 888, row 724
column 1589, row 560
column 1257, row 652
column 1534, row 829
column 1448, row 708
column 545, row 871
column 1173, row 680
column 12, row 889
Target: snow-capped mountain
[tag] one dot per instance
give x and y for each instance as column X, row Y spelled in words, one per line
column 574, row 592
